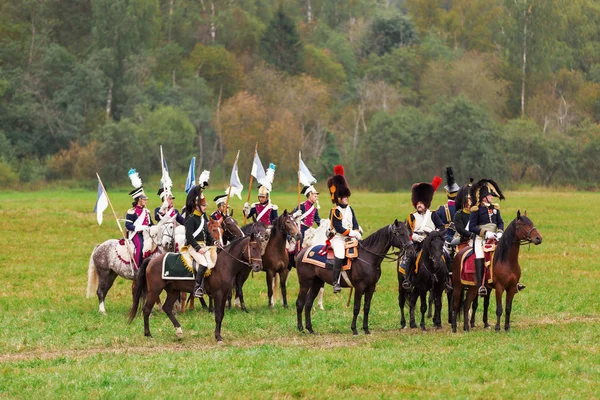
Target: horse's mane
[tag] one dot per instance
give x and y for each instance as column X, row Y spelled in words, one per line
column 277, row 225
column 375, row 237
column 508, row 238
column 251, row 228
column 432, row 235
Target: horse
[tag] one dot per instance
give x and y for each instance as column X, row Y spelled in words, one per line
column 275, row 257
column 506, row 272
column 105, row 265
column 364, row 275
column 149, row 283
column 431, row 276
column 230, row 231
column 262, row 230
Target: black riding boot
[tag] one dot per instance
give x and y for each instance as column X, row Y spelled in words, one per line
column 408, row 268
column 479, row 268
column 199, row 287
column 337, row 270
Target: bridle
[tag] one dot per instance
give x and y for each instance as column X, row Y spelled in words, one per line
column 161, row 234
column 227, row 227
column 242, row 254
column 392, row 232
column 527, row 239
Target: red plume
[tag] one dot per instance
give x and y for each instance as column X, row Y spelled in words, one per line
column 338, row 170
column 436, row 182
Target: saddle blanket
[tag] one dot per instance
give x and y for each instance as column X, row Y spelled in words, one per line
column 175, row 268
column 124, row 255
column 313, row 255
column 401, row 266
column 467, row 268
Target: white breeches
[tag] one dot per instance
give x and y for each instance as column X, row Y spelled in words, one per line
column 338, row 245
column 478, row 247
column 202, row 259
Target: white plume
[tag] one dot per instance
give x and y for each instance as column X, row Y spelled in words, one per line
column 166, row 181
column 267, row 181
column 204, row 177
column 136, row 181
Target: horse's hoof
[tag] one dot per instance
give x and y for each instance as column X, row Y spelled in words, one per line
column 423, row 329
column 311, row 331
column 472, row 324
column 321, row 308
column 148, row 335
column 438, row 327
column 453, row 330
column 367, row 332
column 244, row 309
column 179, row 332
column 285, row 306
column 497, row 329
column 354, row 333
column 413, row 326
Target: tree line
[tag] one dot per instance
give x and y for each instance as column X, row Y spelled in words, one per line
column 508, row 89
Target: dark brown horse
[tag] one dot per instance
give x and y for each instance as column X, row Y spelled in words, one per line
column 149, row 283
column 431, row 275
column 506, row 272
column 275, row 257
column 364, row 275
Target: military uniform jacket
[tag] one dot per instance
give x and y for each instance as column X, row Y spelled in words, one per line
column 158, row 216
column 461, row 220
column 137, row 216
column 431, row 222
column 196, row 230
column 446, row 214
column 216, row 215
column 483, row 215
column 343, row 219
column 309, row 218
column 258, row 213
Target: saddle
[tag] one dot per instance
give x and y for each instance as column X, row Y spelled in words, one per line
column 322, row 255
column 417, row 262
column 124, row 254
column 467, row 264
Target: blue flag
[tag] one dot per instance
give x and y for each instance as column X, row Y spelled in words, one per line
column 189, row 182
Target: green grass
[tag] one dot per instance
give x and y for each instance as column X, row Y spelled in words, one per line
column 54, row 343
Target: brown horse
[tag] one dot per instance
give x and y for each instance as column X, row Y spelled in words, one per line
column 506, row 272
column 275, row 257
column 149, row 283
column 364, row 275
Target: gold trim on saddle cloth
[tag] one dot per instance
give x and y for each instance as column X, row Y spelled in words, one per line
column 188, row 260
column 488, row 264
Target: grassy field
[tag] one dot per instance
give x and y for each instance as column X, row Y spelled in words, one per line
column 54, row 343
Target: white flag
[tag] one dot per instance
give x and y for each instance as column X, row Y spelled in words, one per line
column 304, row 175
column 257, row 169
column 101, row 204
column 189, row 182
column 234, row 182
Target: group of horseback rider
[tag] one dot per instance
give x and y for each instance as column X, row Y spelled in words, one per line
column 470, row 217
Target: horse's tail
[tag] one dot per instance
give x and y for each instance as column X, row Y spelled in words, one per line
column 139, row 291
column 92, row 285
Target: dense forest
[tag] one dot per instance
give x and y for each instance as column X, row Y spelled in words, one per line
column 508, row 89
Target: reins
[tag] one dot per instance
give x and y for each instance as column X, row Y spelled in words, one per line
column 250, row 258
column 398, row 254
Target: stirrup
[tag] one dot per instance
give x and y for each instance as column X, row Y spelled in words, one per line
column 337, row 288
column 406, row 285
column 448, row 287
column 482, row 291
column 199, row 292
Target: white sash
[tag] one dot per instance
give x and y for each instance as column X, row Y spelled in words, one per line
column 197, row 231
column 263, row 212
column 307, row 213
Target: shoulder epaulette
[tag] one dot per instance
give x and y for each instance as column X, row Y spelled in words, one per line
column 274, row 206
column 496, row 206
column 474, row 208
column 254, row 204
column 131, row 211
column 337, row 213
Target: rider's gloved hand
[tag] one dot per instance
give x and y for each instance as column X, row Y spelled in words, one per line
column 490, row 235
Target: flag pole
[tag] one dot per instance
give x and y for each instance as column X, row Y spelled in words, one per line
column 118, row 223
column 299, row 158
column 229, row 191
column 250, row 185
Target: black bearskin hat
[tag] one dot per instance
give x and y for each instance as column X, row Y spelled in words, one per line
column 338, row 187
column 423, row 192
column 484, row 188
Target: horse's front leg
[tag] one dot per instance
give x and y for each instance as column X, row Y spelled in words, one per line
column 486, row 307
column 401, row 300
column 270, row 275
column 450, row 297
column 412, row 302
column 300, row 302
column 499, row 291
column 310, row 299
column 469, row 297
column 368, row 296
column 358, row 293
column 510, row 294
column 283, row 275
column 219, row 301
column 437, row 315
column 423, row 310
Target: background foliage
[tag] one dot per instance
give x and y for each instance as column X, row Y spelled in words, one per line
column 401, row 87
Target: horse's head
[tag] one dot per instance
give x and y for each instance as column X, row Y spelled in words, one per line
column 215, row 229
column 231, row 227
column 525, row 230
column 254, row 252
column 434, row 245
column 167, row 235
column 289, row 225
column 400, row 237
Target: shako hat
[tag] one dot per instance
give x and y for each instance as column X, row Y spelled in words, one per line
column 451, row 187
column 136, row 182
column 338, row 187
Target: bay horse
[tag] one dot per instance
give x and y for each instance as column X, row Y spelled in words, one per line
column 149, row 283
column 275, row 257
column 364, row 275
column 105, row 265
column 506, row 272
column 431, row 276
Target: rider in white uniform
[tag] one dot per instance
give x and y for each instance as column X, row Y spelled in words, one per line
column 343, row 221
